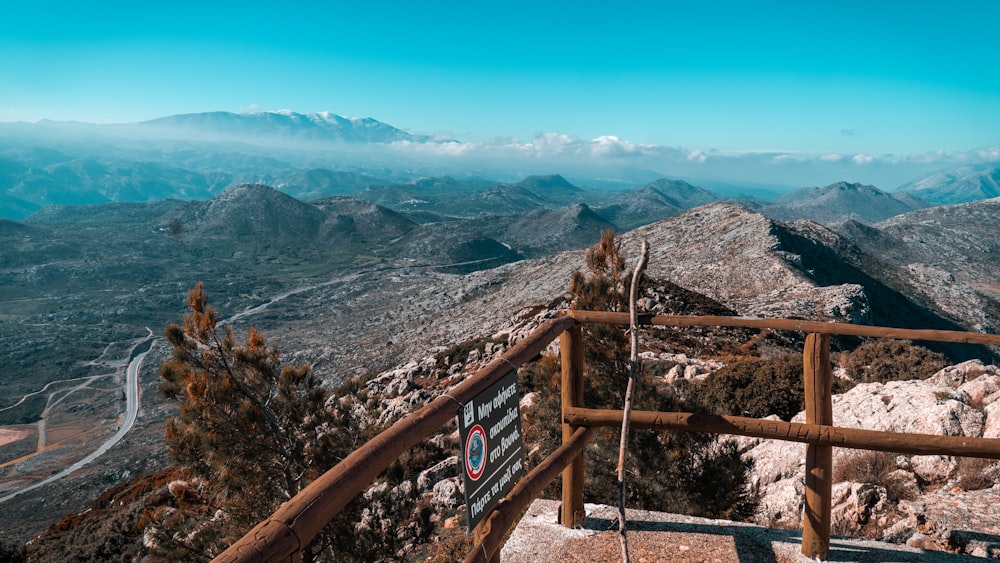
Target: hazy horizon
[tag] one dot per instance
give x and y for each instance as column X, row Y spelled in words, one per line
column 858, row 92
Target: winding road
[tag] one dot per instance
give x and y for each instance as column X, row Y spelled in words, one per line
column 136, row 357
column 141, row 349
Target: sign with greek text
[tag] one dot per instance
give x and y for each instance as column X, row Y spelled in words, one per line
column 492, row 460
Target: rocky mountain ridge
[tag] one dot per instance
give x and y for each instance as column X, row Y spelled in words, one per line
column 942, row 255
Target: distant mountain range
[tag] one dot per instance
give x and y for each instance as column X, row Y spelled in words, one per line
column 277, row 125
column 841, row 202
column 959, row 185
column 652, row 202
column 317, row 155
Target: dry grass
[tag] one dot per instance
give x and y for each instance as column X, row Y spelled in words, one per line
column 872, row 467
column 976, row 473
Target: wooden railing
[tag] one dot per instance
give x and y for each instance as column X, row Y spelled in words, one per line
column 284, row 535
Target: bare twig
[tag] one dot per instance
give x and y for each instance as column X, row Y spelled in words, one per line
column 633, row 375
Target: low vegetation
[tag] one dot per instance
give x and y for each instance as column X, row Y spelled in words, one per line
column 885, row 360
column 459, row 353
column 976, row 473
column 752, row 387
column 677, row 472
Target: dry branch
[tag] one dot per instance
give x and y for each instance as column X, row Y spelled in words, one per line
column 632, row 376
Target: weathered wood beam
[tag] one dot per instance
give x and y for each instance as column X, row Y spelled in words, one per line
column 854, row 438
column 791, row 324
column 571, row 512
column 818, row 381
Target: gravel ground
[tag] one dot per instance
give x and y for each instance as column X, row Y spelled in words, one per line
column 655, row 536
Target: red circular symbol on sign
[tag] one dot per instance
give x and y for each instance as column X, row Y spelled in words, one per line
column 475, row 452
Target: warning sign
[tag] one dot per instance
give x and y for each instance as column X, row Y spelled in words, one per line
column 492, row 448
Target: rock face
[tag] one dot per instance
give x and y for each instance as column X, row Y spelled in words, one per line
column 915, row 494
column 753, row 264
column 944, row 257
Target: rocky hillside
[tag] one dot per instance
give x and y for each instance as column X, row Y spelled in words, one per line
column 751, row 264
column 944, row 257
column 387, row 311
column 653, row 202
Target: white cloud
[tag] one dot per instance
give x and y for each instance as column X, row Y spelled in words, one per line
column 550, row 144
column 441, row 149
column 779, row 158
column 552, row 151
column 991, row 154
column 251, row 108
column 610, row 145
column 697, row 156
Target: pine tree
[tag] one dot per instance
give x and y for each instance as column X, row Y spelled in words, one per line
column 251, row 433
column 605, row 287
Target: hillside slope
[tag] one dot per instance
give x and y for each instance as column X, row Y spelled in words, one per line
column 840, row 202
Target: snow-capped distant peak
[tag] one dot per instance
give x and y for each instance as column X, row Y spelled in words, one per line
column 285, row 123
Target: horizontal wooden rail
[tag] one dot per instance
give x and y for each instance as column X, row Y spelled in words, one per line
column 818, row 434
column 294, row 525
column 506, row 514
column 790, row 324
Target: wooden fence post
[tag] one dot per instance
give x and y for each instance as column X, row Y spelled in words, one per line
column 818, row 380
column 572, row 513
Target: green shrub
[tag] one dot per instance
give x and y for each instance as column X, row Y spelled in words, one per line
column 27, row 412
column 679, row 472
column 885, row 360
column 752, row 387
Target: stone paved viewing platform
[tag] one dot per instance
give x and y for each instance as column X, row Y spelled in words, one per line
column 657, row 536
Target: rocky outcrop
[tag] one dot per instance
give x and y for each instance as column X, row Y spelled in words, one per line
column 920, row 499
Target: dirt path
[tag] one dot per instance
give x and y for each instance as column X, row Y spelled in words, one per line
column 131, row 413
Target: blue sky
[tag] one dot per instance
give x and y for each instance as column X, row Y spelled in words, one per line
column 840, row 77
